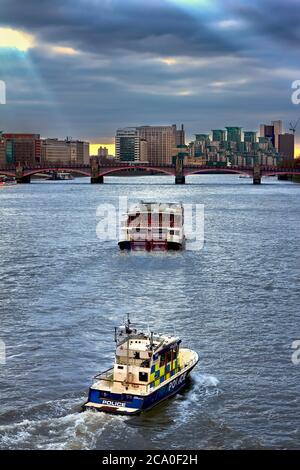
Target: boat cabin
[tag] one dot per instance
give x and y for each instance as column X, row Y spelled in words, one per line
column 145, row 359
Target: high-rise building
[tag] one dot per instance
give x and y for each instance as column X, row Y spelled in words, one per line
column 55, row 151
column 23, row 149
column 202, row 138
column 128, row 144
column 83, row 152
column 219, row 135
column 286, row 144
column 180, row 135
column 250, row 136
column 234, row 134
column 277, row 125
column 272, row 132
column 264, row 143
column 143, row 150
column 71, row 151
column 267, row 131
column 162, row 142
column 156, row 144
column 65, row 151
column 200, row 145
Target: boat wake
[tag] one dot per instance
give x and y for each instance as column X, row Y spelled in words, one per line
column 201, row 387
column 59, row 425
column 206, row 381
column 180, row 412
column 69, row 432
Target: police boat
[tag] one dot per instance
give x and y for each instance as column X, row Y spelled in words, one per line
column 148, row 369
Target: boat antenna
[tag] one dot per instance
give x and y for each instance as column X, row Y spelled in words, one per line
column 115, row 334
column 127, row 351
column 127, row 324
column 151, row 340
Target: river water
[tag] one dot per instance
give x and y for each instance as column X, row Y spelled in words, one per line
column 236, row 302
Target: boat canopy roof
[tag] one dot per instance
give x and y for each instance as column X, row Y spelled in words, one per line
column 146, row 341
column 156, row 207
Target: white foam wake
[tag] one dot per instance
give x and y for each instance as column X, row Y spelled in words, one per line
column 72, row 431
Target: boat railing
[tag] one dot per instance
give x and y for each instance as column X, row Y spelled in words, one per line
column 107, row 376
column 131, row 336
column 140, row 236
column 144, row 363
column 153, row 226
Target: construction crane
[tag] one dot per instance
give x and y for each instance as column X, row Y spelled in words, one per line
column 293, row 125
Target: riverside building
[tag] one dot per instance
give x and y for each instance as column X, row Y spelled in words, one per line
column 154, row 144
column 65, row 151
column 23, row 149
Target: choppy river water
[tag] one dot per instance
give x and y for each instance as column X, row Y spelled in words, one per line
column 236, row 302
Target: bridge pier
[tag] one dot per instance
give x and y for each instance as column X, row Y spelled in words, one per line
column 179, row 158
column 256, row 174
column 20, row 177
column 283, row 177
column 23, row 179
column 97, row 180
column 179, row 179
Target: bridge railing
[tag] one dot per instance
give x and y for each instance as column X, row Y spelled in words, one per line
column 52, row 166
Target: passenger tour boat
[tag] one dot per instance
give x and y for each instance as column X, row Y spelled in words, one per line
column 153, row 227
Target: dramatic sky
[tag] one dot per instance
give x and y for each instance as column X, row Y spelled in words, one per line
column 85, row 67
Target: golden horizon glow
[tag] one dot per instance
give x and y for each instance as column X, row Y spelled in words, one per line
column 15, row 39
column 94, row 148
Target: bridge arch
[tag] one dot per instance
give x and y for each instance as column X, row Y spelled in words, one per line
column 109, row 171
column 223, row 171
column 67, row 170
column 281, row 172
column 7, row 173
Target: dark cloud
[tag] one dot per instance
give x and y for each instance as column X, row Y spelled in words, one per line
column 117, row 25
column 235, row 62
column 277, row 19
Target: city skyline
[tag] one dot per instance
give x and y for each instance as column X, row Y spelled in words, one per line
column 85, row 68
column 111, row 149
column 94, row 147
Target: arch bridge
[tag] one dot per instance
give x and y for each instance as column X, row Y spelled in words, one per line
column 97, row 171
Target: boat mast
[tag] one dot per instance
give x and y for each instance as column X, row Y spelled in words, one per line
column 151, row 340
column 128, row 332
